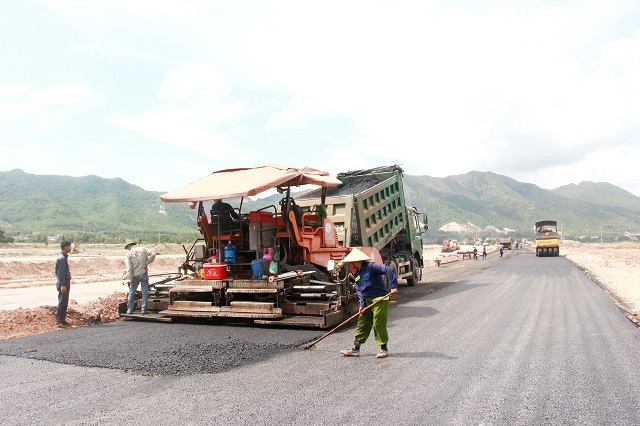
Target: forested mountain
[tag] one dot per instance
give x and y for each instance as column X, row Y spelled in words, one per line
column 111, row 209
column 63, row 205
column 490, row 200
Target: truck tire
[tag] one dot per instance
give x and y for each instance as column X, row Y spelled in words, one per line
column 417, row 273
column 394, row 268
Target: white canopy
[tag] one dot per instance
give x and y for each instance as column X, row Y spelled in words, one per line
column 243, row 182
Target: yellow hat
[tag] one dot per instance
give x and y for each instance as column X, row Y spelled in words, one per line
column 355, row 256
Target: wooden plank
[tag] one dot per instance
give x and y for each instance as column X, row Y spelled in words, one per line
column 191, row 304
column 191, row 289
column 294, row 321
column 252, row 290
column 252, row 305
column 147, row 317
column 255, row 284
column 267, row 311
column 187, row 314
column 223, row 314
column 193, row 308
column 310, row 308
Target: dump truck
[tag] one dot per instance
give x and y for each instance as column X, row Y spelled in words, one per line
column 275, row 265
column 506, row 241
column 547, row 238
column 369, row 209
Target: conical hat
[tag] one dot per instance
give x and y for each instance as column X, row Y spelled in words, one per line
column 355, row 256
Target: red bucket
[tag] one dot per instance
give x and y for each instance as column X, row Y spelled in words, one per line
column 215, row 271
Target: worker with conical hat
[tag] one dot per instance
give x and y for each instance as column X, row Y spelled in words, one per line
column 371, row 287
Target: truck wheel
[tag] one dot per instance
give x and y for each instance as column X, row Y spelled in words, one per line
column 394, row 268
column 556, row 251
column 417, row 273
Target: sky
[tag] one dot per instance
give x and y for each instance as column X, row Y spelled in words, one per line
column 163, row 92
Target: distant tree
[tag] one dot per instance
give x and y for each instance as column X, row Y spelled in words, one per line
column 38, row 238
column 4, row 239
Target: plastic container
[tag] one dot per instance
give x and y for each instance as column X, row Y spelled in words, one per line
column 230, row 253
column 267, row 254
column 213, row 258
column 215, row 271
column 259, row 266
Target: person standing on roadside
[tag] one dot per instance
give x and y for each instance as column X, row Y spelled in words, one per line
column 484, row 252
column 63, row 283
column 137, row 261
column 501, row 251
column 371, row 288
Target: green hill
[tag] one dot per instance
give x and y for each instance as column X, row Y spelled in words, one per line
column 109, row 209
column 97, row 209
column 489, row 200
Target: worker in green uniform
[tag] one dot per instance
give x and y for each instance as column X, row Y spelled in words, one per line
column 370, row 287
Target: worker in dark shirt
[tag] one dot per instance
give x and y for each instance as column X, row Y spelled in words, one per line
column 224, row 215
column 370, row 287
column 63, row 283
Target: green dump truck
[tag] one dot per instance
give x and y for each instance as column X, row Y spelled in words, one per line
column 369, row 210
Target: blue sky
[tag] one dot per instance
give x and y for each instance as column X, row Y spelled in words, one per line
column 161, row 93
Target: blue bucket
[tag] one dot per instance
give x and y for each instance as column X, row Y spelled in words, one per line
column 256, row 266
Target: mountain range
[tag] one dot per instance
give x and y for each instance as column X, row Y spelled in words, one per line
column 483, row 203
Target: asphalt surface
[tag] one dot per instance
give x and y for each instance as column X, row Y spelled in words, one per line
column 527, row 341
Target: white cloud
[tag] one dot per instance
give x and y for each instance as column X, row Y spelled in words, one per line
column 58, row 99
column 463, row 83
column 597, row 165
column 96, row 46
column 298, row 112
column 80, row 96
column 85, row 170
column 169, row 8
column 528, row 89
column 190, row 127
column 32, row 154
column 202, row 83
column 100, row 148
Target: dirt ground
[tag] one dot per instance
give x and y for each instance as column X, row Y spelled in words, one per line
column 28, row 265
column 616, row 267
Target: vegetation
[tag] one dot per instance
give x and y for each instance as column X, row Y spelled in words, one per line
column 96, row 210
column 5, row 239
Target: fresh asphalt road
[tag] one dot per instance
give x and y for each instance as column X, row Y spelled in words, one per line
column 528, row 341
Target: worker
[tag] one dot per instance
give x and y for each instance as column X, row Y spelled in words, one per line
column 475, row 252
column 370, row 287
column 63, row 283
column 501, row 251
column 484, row 252
column 220, row 206
column 137, row 261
